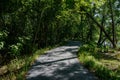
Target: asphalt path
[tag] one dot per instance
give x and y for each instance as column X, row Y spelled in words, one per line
column 60, row 63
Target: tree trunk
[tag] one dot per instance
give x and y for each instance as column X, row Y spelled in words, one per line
column 100, row 36
column 113, row 25
column 101, row 27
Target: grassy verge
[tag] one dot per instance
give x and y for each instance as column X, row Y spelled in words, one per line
column 105, row 67
column 18, row 67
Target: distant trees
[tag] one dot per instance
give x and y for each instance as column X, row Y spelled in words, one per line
column 105, row 13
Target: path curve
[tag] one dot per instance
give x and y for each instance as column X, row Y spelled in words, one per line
column 60, row 63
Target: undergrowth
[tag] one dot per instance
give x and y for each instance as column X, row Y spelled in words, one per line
column 91, row 58
column 17, row 68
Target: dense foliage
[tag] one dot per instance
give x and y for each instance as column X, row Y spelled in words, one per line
column 29, row 23
column 26, row 24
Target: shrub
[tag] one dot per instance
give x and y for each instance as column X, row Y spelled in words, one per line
column 87, row 58
column 3, row 35
column 15, row 50
column 88, row 48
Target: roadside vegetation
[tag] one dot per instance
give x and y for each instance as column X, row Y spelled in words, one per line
column 28, row 25
column 17, row 68
column 104, row 62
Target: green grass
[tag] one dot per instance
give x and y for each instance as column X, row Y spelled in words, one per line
column 105, row 67
column 17, row 68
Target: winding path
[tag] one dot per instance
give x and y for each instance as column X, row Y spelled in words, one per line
column 60, row 63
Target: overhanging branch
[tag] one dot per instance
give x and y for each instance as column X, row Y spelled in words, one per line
column 100, row 26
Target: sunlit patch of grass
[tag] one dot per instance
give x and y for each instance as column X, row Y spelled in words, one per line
column 16, row 64
column 111, row 64
column 17, row 68
column 104, row 66
column 11, row 76
column 117, row 56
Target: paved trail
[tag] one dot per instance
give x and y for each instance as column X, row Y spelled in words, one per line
column 60, row 63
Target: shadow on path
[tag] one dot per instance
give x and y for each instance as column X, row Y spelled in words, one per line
column 60, row 63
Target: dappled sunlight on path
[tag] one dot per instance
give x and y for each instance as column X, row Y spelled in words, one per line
column 60, row 63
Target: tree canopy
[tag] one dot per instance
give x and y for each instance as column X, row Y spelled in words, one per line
column 25, row 24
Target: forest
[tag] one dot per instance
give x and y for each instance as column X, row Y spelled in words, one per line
column 30, row 27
